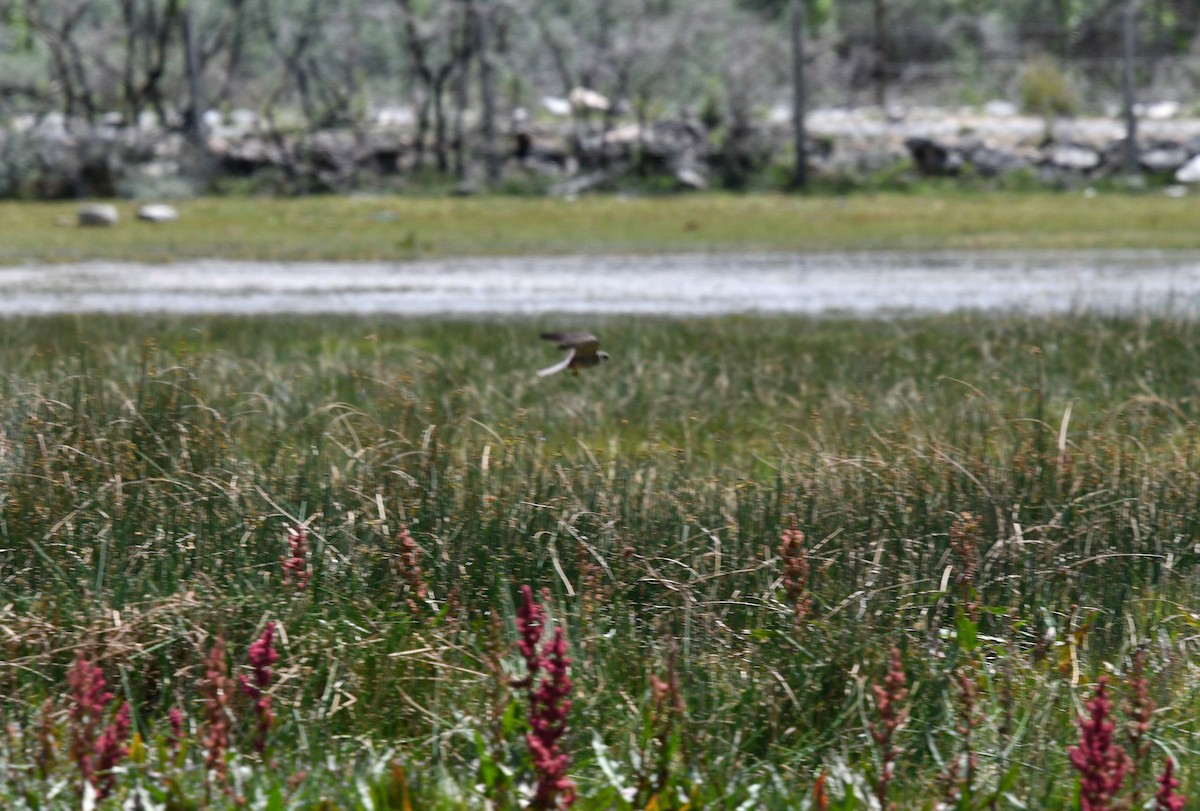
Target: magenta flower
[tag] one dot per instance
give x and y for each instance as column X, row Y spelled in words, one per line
column 1166, row 799
column 295, row 562
column 175, row 722
column 548, row 710
column 111, row 749
column 88, row 700
column 262, row 655
column 408, row 566
column 890, row 709
column 530, row 619
column 216, row 688
column 548, row 705
column 1100, row 762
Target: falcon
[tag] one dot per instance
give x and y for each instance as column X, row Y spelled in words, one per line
column 583, row 349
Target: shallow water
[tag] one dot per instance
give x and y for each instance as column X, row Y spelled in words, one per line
column 691, row 284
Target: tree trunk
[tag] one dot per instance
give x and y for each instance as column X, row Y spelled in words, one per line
column 195, row 80
column 881, row 59
column 799, row 96
column 1131, row 147
column 487, row 93
column 439, row 121
column 461, row 56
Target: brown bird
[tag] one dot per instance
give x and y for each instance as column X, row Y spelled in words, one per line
column 583, row 349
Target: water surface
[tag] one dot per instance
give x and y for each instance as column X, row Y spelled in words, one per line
column 690, row 284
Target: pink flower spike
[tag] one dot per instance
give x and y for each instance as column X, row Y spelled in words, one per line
column 262, row 655
column 175, row 721
column 295, row 562
column 1166, row 799
column 530, row 619
column 548, row 711
column 111, row 750
column 1100, row 762
column 88, row 700
column 549, row 705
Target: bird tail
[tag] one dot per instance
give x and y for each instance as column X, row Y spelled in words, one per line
column 558, row 367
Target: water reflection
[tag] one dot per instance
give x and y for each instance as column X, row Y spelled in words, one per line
column 692, row 284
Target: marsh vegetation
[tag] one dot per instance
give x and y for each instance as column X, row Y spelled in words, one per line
column 733, row 523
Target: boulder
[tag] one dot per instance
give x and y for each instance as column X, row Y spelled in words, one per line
column 1163, row 159
column 157, row 212
column 689, row 177
column 1073, row 157
column 556, row 105
column 100, row 215
column 991, row 161
column 999, row 108
column 1190, row 171
column 583, row 98
column 933, row 158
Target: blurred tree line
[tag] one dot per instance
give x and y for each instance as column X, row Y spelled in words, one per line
column 473, row 67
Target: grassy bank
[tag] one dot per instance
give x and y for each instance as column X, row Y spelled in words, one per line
column 1011, row 504
column 326, row 228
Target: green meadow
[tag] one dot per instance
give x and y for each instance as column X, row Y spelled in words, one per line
column 815, row 563
column 394, row 227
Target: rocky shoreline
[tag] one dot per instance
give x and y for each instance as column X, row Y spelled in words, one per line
column 51, row 158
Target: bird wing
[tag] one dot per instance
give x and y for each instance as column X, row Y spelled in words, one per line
column 558, row 367
column 584, row 343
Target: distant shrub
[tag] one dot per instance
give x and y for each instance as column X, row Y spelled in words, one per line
column 141, row 186
column 1046, row 90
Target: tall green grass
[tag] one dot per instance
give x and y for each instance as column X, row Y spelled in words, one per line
column 149, row 470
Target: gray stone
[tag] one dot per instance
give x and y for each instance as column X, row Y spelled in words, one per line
column 998, row 108
column 990, row 161
column 1074, row 157
column 102, row 215
column 1163, row 159
column 689, row 177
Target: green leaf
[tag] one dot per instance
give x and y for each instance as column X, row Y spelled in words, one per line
column 489, row 772
column 511, row 723
column 968, row 632
column 275, row 799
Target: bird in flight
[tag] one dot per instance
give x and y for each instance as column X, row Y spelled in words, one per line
column 583, row 349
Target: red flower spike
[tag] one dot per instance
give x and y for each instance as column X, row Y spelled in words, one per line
column 88, row 700
column 1166, row 799
column 549, row 705
column 295, row 562
column 261, row 655
column 1100, row 762
column 111, row 749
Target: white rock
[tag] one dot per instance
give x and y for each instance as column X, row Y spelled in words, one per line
column 1163, row 159
column 1190, row 171
column 103, row 215
column 1068, row 156
column 556, row 105
column 1162, row 110
column 690, row 177
column 587, row 99
column 999, row 108
column 157, row 212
